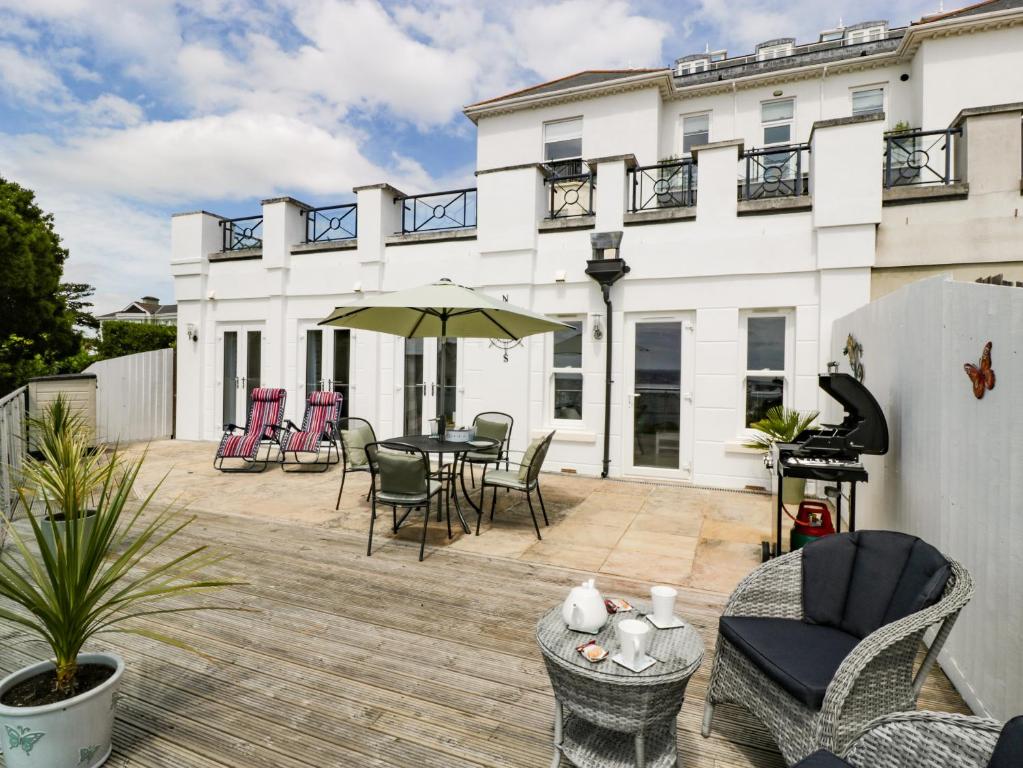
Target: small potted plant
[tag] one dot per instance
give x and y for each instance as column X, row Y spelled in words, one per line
column 782, row 425
column 68, row 585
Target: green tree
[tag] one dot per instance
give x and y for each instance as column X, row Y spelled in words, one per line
column 37, row 326
column 123, row 338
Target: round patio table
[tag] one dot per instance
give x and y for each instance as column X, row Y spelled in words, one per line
column 606, row 715
column 439, row 446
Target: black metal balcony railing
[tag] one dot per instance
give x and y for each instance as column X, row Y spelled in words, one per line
column 775, row 172
column 332, row 222
column 241, row 233
column 454, row 209
column 670, row 184
column 569, row 196
column 918, row 157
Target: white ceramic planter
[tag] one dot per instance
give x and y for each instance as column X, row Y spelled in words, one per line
column 47, row 529
column 69, row 734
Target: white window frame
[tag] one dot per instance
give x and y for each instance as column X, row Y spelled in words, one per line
column 543, row 138
column 777, row 51
column 787, row 374
column 864, row 88
column 789, row 121
column 575, row 424
column 866, row 35
column 682, row 130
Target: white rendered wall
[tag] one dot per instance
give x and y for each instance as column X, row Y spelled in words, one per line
column 953, row 474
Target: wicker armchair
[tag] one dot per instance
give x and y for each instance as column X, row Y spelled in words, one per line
column 929, row 740
column 873, row 678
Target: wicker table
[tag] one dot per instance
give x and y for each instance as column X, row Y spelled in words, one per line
column 607, row 716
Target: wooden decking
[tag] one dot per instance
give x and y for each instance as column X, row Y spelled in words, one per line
column 384, row 661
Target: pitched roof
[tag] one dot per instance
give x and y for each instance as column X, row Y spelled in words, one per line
column 586, row 77
column 986, row 6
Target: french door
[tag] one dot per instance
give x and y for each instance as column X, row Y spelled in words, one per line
column 423, row 395
column 658, row 404
column 241, row 370
column 328, row 363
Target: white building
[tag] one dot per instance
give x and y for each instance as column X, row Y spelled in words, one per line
column 148, row 309
column 740, row 258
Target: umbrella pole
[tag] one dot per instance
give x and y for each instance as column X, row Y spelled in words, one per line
column 442, row 366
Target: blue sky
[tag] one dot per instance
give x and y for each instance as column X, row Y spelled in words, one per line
column 121, row 112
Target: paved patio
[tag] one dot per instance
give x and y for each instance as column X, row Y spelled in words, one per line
column 705, row 539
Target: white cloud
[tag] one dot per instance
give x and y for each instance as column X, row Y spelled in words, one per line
column 30, row 79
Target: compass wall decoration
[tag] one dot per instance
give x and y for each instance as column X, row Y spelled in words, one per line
column 505, row 344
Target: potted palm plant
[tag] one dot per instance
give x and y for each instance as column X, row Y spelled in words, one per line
column 71, row 584
column 782, row 425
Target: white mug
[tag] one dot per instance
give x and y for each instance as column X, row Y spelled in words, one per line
column 633, row 636
column 663, row 599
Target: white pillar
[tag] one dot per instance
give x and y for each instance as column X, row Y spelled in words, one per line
column 717, row 181
column 611, row 195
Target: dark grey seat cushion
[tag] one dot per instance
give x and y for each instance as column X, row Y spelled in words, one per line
column 802, row 658
column 822, row 759
column 858, row 582
column 1009, row 750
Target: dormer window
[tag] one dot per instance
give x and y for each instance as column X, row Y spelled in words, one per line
column 832, row 35
column 768, row 51
column 692, row 66
column 866, row 34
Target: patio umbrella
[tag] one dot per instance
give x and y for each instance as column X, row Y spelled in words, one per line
column 441, row 310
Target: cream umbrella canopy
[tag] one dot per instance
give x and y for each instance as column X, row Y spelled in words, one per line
column 442, row 310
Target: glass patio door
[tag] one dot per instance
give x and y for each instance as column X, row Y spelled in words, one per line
column 328, row 356
column 424, row 396
column 241, row 368
column 657, row 398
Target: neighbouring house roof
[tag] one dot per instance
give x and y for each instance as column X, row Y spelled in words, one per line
column 147, row 305
column 987, row 6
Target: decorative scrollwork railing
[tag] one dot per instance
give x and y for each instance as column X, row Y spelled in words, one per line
column 669, row 184
column 918, row 157
column 775, row 172
column 570, row 195
column 332, row 222
column 454, row 209
column 245, row 232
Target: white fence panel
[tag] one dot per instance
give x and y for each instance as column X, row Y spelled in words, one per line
column 954, row 472
column 12, row 452
column 135, row 396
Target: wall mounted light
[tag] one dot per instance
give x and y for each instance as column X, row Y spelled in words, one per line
column 778, row 93
column 192, row 332
column 598, row 329
column 211, row 295
column 559, row 276
column 904, row 76
column 357, row 287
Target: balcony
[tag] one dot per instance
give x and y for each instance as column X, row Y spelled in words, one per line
column 775, row 172
column 570, row 195
column 669, row 184
column 919, row 158
column 331, row 223
column 241, row 234
column 438, row 211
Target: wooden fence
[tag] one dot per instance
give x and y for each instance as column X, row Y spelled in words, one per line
column 135, row 397
column 12, row 452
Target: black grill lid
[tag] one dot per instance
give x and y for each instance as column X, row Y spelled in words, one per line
column 866, row 427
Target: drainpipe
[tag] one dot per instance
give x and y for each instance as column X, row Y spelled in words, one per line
column 606, row 272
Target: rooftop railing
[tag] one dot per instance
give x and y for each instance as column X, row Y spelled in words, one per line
column 668, row 184
column 331, row 222
column 241, row 233
column 918, row 157
column 775, row 172
column 570, row 195
column 436, row 211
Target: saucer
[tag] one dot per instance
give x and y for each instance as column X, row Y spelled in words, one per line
column 645, row 664
column 675, row 622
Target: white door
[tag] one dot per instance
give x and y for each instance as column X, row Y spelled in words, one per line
column 422, row 394
column 240, row 369
column 327, row 364
column 658, row 404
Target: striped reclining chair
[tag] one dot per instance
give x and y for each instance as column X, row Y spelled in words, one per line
column 318, row 432
column 262, row 427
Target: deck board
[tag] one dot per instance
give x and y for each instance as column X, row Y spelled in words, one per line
column 381, row 661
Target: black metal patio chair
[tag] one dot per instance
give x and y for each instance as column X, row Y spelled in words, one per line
column 355, row 434
column 523, row 477
column 401, row 477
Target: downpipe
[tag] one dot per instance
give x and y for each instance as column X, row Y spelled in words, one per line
column 606, row 461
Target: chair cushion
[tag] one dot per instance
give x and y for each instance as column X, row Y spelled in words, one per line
column 356, row 439
column 240, row 446
column 408, row 498
column 482, row 457
column 802, row 658
column 507, row 478
column 822, row 759
column 1009, row 749
column 858, row 582
column 402, row 473
column 494, row 430
column 527, row 458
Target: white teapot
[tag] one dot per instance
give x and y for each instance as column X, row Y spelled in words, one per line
column 584, row 610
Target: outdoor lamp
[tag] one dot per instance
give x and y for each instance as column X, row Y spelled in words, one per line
column 192, row 332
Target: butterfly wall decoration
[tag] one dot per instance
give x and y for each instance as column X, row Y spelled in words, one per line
column 982, row 375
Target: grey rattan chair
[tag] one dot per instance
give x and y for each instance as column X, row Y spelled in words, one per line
column 401, row 477
column 524, row 477
column 872, row 674
column 355, row 435
column 493, row 425
column 929, row 740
